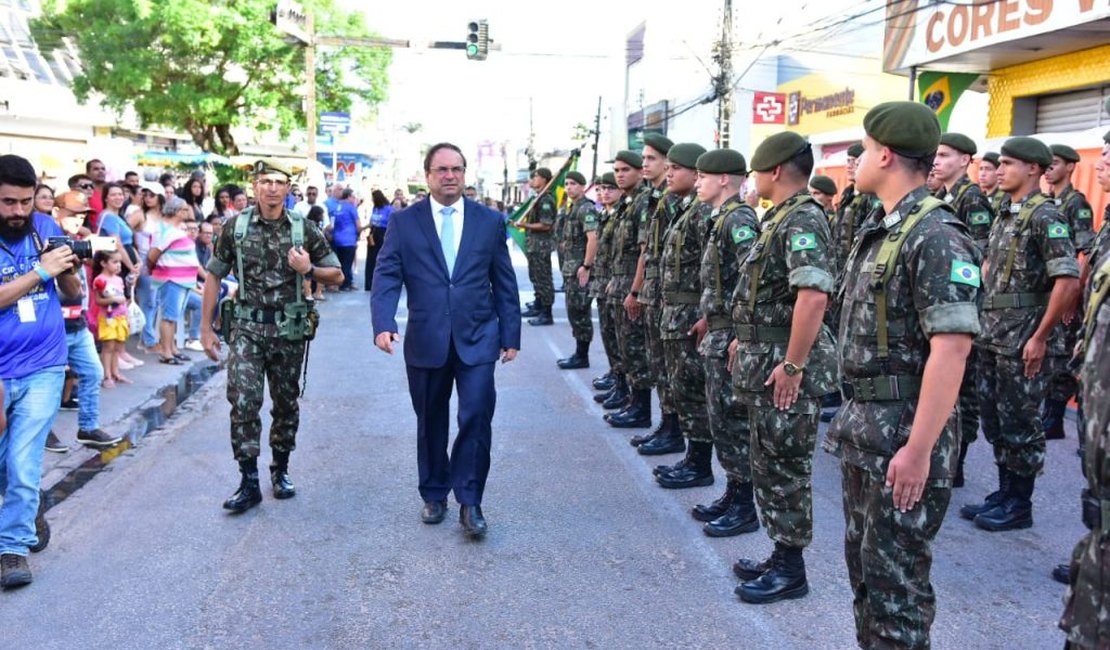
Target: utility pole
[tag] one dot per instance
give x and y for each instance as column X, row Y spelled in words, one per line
column 597, row 137
column 310, row 86
column 723, row 81
column 531, row 139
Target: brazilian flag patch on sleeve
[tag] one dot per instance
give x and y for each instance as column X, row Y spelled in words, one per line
column 980, row 218
column 1058, row 231
column 965, row 273
column 742, row 234
column 1084, row 214
column 805, row 241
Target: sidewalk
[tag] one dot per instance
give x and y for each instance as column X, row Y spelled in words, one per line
column 130, row 411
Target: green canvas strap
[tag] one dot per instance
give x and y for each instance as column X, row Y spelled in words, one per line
column 728, row 206
column 884, row 265
column 242, row 225
column 1100, row 289
column 1023, row 219
column 680, row 235
column 769, row 227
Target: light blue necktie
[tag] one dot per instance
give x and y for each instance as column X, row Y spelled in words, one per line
column 447, row 238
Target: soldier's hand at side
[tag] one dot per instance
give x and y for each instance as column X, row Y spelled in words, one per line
column 906, row 475
column 210, row 343
column 1033, row 355
column 785, row 387
column 299, row 260
column 385, row 340
column 732, row 347
column 583, row 276
column 632, row 307
column 699, row 330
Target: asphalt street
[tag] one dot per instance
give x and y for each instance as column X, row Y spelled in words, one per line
column 584, row 549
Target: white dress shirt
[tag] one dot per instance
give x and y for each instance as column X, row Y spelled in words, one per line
column 437, row 216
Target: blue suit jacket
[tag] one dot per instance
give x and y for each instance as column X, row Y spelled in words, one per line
column 477, row 306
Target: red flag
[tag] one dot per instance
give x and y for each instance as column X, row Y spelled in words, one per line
column 769, row 108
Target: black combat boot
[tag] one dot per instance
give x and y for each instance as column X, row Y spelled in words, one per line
column 542, row 318
column 958, row 479
column 605, row 382
column 279, row 476
column 637, row 415
column 666, row 424
column 1062, row 573
column 698, row 471
column 719, row 506
column 1015, row 512
column 531, row 310
column 746, row 569
column 604, row 394
column 580, row 358
column 249, row 494
column 786, row 578
column 973, row 510
column 619, row 397
column 1052, row 417
column 741, row 516
column 669, row 441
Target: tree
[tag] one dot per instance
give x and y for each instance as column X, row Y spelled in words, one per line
column 207, row 67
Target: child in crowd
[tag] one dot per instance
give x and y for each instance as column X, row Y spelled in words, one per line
column 112, row 324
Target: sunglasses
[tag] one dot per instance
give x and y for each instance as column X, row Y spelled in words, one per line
column 85, row 186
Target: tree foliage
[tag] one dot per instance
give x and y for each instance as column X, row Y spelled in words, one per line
column 207, row 67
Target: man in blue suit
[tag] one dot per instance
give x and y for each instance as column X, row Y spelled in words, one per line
column 449, row 253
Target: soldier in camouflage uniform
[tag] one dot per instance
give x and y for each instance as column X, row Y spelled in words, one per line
column 853, row 208
column 784, row 361
column 823, row 190
column 1086, row 617
column 972, row 208
column 1031, row 278
column 895, row 438
column 538, row 241
column 988, row 182
column 579, row 243
column 273, row 271
column 1073, row 206
column 622, row 302
column 608, row 195
column 680, row 284
column 733, row 229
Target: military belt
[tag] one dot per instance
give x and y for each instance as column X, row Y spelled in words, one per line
column 756, row 333
column 885, row 388
column 1015, row 300
column 1096, row 513
column 682, row 298
column 258, row 315
column 719, row 322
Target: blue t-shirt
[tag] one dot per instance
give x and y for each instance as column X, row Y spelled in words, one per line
column 32, row 338
column 379, row 218
column 345, row 225
column 113, row 224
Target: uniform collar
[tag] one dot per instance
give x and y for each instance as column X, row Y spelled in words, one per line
column 901, row 209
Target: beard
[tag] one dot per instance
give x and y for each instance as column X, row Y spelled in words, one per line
column 15, row 233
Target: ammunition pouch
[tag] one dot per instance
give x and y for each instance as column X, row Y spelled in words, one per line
column 296, row 321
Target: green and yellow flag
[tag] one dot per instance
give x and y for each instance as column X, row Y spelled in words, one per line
column 940, row 91
column 557, row 186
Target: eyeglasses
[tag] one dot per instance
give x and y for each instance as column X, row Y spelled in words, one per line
column 444, row 171
column 85, row 186
column 272, row 182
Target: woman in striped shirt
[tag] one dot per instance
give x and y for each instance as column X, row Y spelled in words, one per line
column 173, row 272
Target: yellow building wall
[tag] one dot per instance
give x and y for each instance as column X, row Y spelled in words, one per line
column 1056, row 74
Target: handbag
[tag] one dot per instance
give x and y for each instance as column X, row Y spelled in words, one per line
column 136, row 320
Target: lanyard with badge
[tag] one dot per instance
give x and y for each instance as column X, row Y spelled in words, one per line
column 25, row 306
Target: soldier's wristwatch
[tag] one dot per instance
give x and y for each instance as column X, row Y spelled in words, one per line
column 792, row 369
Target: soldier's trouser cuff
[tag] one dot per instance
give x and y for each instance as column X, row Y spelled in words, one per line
column 782, row 449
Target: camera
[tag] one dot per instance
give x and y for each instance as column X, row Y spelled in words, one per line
column 84, row 249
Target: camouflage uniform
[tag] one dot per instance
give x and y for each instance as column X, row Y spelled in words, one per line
column 1022, row 264
column 996, row 198
column 661, row 212
column 1062, row 383
column 851, row 212
column 256, row 353
column 599, row 281
column 734, row 229
column 581, row 220
column 796, row 240
column 626, row 254
column 1086, row 617
column 538, row 250
column 932, row 290
column 557, row 233
column 680, row 283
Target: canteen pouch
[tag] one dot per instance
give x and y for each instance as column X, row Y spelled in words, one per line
column 298, row 322
column 227, row 317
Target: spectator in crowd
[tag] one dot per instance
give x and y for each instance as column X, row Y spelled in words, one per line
column 173, row 270
column 239, row 200
column 223, row 203
column 44, row 199
column 97, row 172
column 316, row 214
column 335, row 197
column 293, row 196
column 420, row 196
column 397, row 204
column 192, row 305
column 112, row 224
column 399, row 195
column 166, row 179
column 217, row 224
column 145, row 224
column 345, row 231
column 169, row 190
column 312, row 195
column 112, row 329
column 32, row 358
column 131, row 179
column 193, row 194
column 471, row 192
column 379, row 221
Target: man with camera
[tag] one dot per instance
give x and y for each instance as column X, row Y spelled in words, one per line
column 33, row 355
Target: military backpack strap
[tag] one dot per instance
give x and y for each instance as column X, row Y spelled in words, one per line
column 297, row 235
column 760, row 247
column 885, row 264
column 718, row 231
column 680, row 234
column 1024, row 217
column 1100, row 289
column 242, row 224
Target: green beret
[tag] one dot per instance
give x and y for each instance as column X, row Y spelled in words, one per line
column 959, row 142
column 991, row 157
column 778, row 149
column 608, row 179
column 543, row 172
column 272, row 166
column 856, row 150
column 659, row 142
column 723, row 161
column 1028, row 149
column 909, row 129
column 685, row 154
column 823, row 184
column 1066, row 153
column 577, row 177
column 631, row 158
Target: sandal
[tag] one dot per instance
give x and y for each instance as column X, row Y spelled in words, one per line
column 171, row 361
column 181, row 357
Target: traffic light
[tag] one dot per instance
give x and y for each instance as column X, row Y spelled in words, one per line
column 477, row 40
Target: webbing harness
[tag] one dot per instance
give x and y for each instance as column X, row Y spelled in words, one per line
column 728, row 206
column 769, row 228
column 1100, row 289
column 1025, row 215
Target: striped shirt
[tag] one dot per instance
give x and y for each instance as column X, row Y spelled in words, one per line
column 178, row 263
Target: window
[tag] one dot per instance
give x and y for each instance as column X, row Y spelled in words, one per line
column 1075, row 110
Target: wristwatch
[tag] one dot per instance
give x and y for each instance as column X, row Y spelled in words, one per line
column 792, row 369
column 311, row 271
column 587, row 266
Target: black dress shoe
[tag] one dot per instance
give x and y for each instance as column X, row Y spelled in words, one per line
column 283, row 485
column 433, row 512
column 473, row 523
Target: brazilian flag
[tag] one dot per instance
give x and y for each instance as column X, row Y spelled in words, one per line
column 940, row 91
column 557, row 186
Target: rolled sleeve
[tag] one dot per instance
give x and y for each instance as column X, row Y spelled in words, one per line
column 1062, row 267
column 951, row 318
column 218, row 267
column 812, row 277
